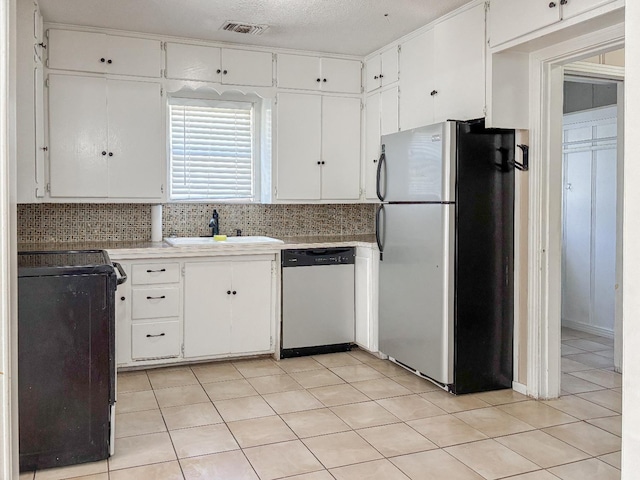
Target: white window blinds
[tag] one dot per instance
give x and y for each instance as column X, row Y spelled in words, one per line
column 211, row 150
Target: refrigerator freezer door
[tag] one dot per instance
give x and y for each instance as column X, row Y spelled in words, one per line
column 419, row 165
column 416, row 288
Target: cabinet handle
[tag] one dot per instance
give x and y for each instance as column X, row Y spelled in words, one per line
column 122, row 298
column 324, row 80
column 104, row 153
column 564, row 2
column 322, row 162
column 375, row 160
column 109, row 61
column 218, row 71
column 111, row 154
column 155, row 271
column 553, row 5
column 228, row 292
column 234, row 292
column 318, row 80
column 381, row 75
column 434, row 92
column 318, row 162
column 156, row 298
column 224, row 72
column 103, row 60
column 375, row 77
column 159, row 335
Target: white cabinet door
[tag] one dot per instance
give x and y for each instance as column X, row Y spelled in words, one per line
column 139, row 57
column 389, row 111
column 123, row 320
column 416, row 81
column 207, row 309
column 251, row 306
column 575, row 7
column 389, row 66
column 459, row 66
column 372, row 144
column 340, row 148
column 381, row 118
column 372, row 74
column 298, row 146
column 244, row 67
column 193, row 62
column 100, row 53
column 136, row 146
column 298, row 71
column 340, row 75
column 78, row 165
column 79, row 51
column 509, row 19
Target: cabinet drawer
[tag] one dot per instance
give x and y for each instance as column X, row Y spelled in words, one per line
column 155, row 302
column 155, row 340
column 153, row 273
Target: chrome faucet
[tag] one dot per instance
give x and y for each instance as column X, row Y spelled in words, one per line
column 214, row 223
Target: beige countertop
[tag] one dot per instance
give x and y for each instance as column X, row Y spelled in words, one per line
column 125, row 250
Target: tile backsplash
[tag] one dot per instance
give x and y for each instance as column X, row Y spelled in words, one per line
column 123, row 222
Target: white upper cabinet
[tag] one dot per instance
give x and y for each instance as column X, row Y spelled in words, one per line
column 219, row 65
column 316, row 73
column 459, row 62
column 101, row 53
column 381, row 118
column 318, row 147
column 100, row 147
column 510, row 19
column 381, row 69
column 418, row 72
column 442, row 72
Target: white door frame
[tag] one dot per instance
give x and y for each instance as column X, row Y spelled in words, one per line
column 545, row 208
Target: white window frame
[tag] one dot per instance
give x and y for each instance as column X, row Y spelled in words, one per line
column 207, row 101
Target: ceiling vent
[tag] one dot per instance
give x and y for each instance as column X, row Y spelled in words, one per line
column 239, row 27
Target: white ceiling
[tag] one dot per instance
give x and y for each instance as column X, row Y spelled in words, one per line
column 352, row 27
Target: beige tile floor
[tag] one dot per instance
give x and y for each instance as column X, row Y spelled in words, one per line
column 351, row 416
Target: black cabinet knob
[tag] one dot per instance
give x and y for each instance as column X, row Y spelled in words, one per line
column 318, row 80
column 322, row 162
column 104, row 153
column 109, row 61
column 318, row 162
column 228, row 292
column 552, row 5
column 434, row 92
column 375, row 77
column 218, row 71
column 111, row 154
column 324, row 80
column 224, row 72
column 564, row 2
column 234, row 292
column 103, row 60
column 375, row 160
column 381, row 75
column 122, row 298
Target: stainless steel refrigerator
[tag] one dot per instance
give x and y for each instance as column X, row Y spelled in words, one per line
column 445, row 233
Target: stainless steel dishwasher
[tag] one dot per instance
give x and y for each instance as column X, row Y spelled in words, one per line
column 318, row 301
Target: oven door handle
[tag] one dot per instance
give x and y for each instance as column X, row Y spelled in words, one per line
column 123, row 275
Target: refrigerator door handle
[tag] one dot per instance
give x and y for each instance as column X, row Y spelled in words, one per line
column 381, row 164
column 380, row 231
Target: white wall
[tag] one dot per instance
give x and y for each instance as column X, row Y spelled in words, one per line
column 631, row 239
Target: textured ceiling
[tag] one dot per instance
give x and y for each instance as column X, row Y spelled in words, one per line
column 353, row 27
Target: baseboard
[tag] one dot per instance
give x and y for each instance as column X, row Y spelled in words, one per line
column 582, row 327
column 519, row 387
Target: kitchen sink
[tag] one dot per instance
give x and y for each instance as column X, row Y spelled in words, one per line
column 205, row 241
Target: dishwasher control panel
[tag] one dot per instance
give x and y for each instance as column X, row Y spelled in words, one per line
column 318, row 256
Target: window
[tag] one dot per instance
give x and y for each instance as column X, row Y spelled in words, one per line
column 212, row 150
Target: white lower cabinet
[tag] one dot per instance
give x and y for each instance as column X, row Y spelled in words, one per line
column 228, row 307
column 367, row 298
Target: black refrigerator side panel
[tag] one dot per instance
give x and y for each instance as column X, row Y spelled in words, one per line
column 64, row 374
column 484, row 259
